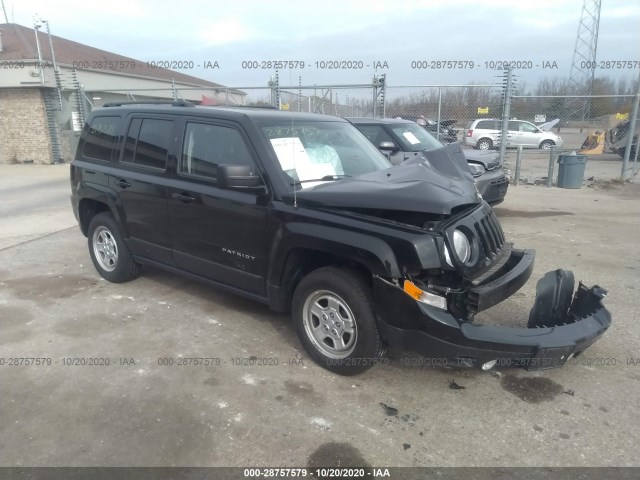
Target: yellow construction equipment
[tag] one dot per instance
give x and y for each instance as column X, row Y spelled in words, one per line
column 594, row 144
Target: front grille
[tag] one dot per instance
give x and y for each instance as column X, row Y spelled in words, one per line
column 496, row 190
column 490, row 235
column 486, row 236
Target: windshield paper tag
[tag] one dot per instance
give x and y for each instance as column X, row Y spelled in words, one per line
column 413, row 140
column 289, row 151
column 306, row 164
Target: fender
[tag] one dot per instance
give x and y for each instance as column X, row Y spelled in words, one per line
column 371, row 252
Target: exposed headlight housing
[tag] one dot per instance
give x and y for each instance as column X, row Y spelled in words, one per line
column 462, row 247
column 476, row 169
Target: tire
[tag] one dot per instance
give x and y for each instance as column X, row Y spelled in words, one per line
column 108, row 250
column 484, row 144
column 546, row 145
column 333, row 313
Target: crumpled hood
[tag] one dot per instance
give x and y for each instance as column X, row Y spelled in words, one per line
column 433, row 182
column 489, row 158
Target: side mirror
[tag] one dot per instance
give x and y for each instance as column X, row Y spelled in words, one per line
column 237, row 176
column 388, row 147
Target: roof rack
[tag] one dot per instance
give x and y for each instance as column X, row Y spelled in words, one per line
column 177, row 103
column 268, row 107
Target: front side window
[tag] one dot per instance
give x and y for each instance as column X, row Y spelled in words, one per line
column 100, row 138
column 375, row 133
column 528, row 128
column 206, row 146
column 147, row 142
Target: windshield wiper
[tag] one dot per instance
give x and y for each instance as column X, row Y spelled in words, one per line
column 326, row 178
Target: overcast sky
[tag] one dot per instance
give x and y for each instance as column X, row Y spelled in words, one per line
column 396, row 32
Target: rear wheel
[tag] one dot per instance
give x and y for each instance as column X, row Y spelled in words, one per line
column 546, row 145
column 484, row 144
column 109, row 252
column 335, row 321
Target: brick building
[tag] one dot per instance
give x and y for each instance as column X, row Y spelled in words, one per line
column 48, row 85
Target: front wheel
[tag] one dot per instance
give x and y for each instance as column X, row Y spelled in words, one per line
column 334, row 317
column 546, row 145
column 109, row 252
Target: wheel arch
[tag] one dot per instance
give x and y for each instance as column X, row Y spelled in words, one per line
column 297, row 253
column 92, row 202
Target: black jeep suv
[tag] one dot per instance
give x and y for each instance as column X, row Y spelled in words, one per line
column 303, row 213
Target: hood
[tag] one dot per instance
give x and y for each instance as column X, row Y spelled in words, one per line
column 443, row 123
column 489, row 158
column 446, row 123
column 546, row 127
column 433, row 182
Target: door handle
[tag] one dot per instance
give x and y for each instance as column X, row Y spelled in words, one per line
column 184, row 196
column 121, row 182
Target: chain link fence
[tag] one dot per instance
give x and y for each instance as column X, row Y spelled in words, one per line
column 470, row 114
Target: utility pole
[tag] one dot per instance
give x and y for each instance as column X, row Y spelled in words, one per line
column 583, row 65
column 4, row 10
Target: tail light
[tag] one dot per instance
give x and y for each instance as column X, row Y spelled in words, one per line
column 469, row 133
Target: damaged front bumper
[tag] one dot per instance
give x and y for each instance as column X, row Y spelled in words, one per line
column 561, row 324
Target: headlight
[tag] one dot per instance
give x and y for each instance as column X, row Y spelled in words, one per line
column 462, row 247
column 476, row 170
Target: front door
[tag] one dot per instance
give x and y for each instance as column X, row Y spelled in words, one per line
column 217, row 233
column 530, row 134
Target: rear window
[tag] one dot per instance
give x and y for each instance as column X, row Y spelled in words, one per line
column 100, row 138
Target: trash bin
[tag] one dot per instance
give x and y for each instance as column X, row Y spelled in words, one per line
column 571, row 170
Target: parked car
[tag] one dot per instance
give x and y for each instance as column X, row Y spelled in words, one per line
column 447, row 134
column 484, row 134
column 616, row 139
column 404, row 139
column 301, row 212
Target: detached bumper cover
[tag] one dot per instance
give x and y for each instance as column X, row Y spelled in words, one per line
column 438, row 335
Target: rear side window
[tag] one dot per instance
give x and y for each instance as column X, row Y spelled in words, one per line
column 100, row 138
column 147, row 142
column 488, row 125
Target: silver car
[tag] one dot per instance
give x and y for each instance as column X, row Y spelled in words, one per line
column 484, row 134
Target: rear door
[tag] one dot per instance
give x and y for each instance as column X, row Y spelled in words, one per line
column 141, row 182
column 217, row 233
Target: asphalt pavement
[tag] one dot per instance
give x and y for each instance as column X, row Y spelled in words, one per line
column 164, row 371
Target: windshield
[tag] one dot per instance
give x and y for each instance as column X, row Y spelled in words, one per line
column 414, row 138
column 310, row 152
